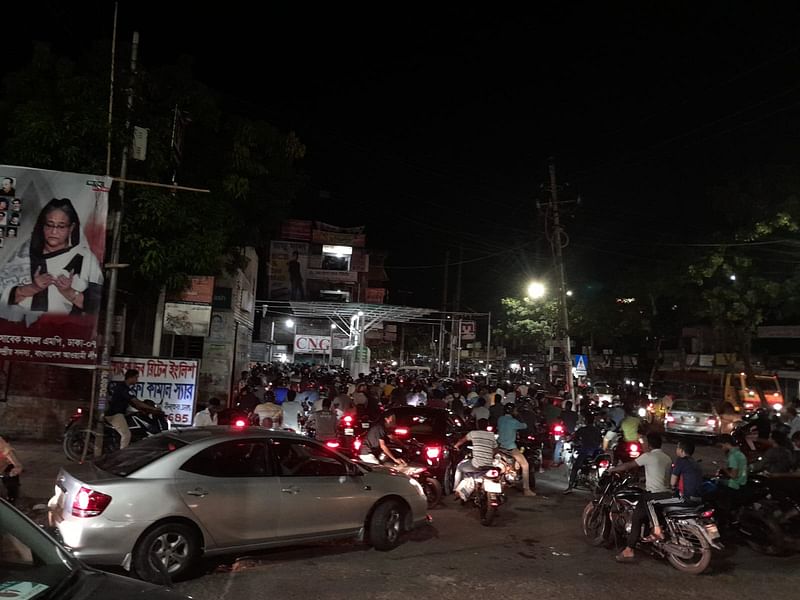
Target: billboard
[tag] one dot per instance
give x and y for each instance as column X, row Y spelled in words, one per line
column 467, row 330
column 181, row 318
column 199, row 290
column 169, row 383
column 288, row 263
column 312, row 344
column 52, row 244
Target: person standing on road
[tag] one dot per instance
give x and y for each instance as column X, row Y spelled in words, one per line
column 291, row 410
column 208, row 416
column 657, row 473
column 507, row 427
column 122, row 397
column 10, row 469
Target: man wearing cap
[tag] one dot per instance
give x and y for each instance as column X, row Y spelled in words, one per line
column 208, row 416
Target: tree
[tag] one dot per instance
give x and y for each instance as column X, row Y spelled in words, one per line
column 527, row 324
column 744, row 283
column 54, row 111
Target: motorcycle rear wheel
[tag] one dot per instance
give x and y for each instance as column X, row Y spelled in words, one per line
column 694, row 566
column 487, row 512
column 74, row 441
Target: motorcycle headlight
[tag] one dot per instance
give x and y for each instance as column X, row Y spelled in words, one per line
column 415, row 484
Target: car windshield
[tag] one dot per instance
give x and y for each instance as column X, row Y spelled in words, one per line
column 138, row 455
column 602, row 389
column 424, row 422
column 768, row 384
column 31, row 563
column 700, row 406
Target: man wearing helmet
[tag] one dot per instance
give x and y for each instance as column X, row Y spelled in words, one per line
column 507, row 427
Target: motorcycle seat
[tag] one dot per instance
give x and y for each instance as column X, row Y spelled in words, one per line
column 683, row 510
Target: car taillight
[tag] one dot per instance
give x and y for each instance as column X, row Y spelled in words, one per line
column 89, row 503
column 401, row 431
column 240, row 423
column 669, row 418
column 433, row 452
column 708, row 514
column 712, row 422
column 332, row 444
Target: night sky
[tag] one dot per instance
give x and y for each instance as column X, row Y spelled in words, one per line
column 433, row 126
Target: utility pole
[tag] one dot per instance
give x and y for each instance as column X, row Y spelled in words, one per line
column 113, row 265
column 444, row 309
column 558, row 246
column 455, row 342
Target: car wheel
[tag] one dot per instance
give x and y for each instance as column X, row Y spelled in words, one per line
column 386, row 525
column 166, row 552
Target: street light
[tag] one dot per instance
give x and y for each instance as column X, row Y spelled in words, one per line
column 536, row 290
column 333, row 325
column 289, row 323
column 569, row 293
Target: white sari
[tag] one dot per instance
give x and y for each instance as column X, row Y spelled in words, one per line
column 87, row 279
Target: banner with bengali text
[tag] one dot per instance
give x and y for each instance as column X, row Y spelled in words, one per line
column 52, row 245
column 170, row 383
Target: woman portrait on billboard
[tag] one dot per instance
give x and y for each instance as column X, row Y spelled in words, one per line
column 56, row 270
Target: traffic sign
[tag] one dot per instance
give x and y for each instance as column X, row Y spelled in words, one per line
column 581, row 362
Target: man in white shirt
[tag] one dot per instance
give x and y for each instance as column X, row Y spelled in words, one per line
column 793, row 421
column 292, row 410
column 657, row 474
column 208, row 416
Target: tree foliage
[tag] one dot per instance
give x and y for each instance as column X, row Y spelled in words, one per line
column 55, row 111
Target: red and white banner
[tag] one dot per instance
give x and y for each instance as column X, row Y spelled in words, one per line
column 312, row 344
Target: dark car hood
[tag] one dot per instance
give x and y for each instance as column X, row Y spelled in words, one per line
column 101, row 586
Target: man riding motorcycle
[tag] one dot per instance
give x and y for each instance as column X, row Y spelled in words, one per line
column 507, row 427
column 589, row 439
column 123, row 397
column 483, row 447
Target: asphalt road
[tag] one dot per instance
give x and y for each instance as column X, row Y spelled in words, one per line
column 534, row 550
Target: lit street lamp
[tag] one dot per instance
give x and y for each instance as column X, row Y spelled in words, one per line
column 289, row 323
column 536, row 290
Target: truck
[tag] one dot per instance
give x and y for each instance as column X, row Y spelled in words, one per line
column 731, row 391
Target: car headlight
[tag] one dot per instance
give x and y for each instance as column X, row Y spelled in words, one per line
column 415, row 484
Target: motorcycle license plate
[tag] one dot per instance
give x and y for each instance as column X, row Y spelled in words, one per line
column 348, row 431
column 712, row 531
column 492, row 486
column 365, row 426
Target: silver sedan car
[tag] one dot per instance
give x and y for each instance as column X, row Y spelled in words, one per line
column 163, row 502
column 693, row 417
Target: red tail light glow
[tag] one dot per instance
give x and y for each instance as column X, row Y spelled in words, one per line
column 633, row 450
column 89, row 503
column 79, row 411
column 669, row 418
column 492, row 473
column 332, row 444
column 357, row 444
column 489, row 428
column 604, row 464
column 558, row 429
column 712, row 422
column 708, row 514
column 348, row 419
column 433, row 452
column 401, row 431
column 240, row 423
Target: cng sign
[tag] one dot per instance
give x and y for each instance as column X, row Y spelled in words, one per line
column 312, row 344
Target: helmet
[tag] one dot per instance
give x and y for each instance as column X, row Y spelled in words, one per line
column 508, row 408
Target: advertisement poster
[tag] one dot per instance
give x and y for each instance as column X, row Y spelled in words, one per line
column 52, row 243
column 288, row 263
column 187, row 319
column 169, row 383
column 312, row 344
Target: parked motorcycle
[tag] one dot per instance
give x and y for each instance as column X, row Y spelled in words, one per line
column 767, row 518
column 690, row 532
column 78, row 428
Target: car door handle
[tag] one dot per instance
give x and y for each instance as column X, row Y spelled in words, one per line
column 197, row 492
column 290, row 490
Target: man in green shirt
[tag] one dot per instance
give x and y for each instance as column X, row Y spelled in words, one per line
column 728, row 492
column 736, row 471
